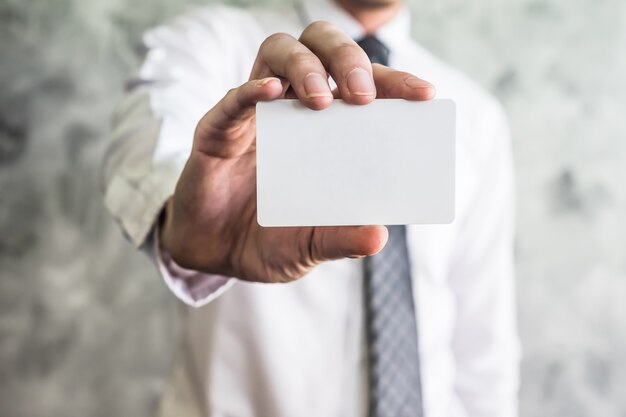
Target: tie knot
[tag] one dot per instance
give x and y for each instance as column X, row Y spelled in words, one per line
column 377, row 52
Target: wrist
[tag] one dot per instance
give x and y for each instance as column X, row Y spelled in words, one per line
column 165, row 229
column 180, row 242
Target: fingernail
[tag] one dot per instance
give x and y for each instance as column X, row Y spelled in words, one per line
column 267, row 80
column 315, row 85
column 360, row 83
column 417, row 83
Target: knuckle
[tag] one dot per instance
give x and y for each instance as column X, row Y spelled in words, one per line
column 297, row 59
column 346, row 49
column 317, row 26
column 231, row 92
column 312, row 251
column 274, row 38
column 230, row 96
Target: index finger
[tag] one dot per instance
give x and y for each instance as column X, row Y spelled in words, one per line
column 283, row 56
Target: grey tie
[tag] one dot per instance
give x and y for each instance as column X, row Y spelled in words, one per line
column 395, row 386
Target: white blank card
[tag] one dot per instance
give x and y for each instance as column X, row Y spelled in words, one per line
column 388, row 162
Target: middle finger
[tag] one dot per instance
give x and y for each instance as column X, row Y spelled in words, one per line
column 346, row 62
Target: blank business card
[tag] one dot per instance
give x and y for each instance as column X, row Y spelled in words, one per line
column 388, row 162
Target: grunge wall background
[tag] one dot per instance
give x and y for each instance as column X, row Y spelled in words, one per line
column 87, row 329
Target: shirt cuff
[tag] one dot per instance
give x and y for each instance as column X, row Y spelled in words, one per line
column 194, row 288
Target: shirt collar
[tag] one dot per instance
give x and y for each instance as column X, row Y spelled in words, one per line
column 395, row 31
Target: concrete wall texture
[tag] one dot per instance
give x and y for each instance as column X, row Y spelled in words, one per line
column 85, row 327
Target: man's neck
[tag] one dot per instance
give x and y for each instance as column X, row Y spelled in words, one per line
column 371, row 17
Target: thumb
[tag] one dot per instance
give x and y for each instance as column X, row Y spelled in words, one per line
column 328, row 243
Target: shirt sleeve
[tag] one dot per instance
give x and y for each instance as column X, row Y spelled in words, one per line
column 485, row 343
column 189, row 65
column 192, row 287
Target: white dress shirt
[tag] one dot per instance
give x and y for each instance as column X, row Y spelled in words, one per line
column 299, row 349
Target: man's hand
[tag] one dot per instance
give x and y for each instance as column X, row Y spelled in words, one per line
column 210, row 223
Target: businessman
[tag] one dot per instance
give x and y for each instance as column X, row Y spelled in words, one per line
column 316, row 321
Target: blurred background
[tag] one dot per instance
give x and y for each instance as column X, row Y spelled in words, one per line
column 87, row 329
